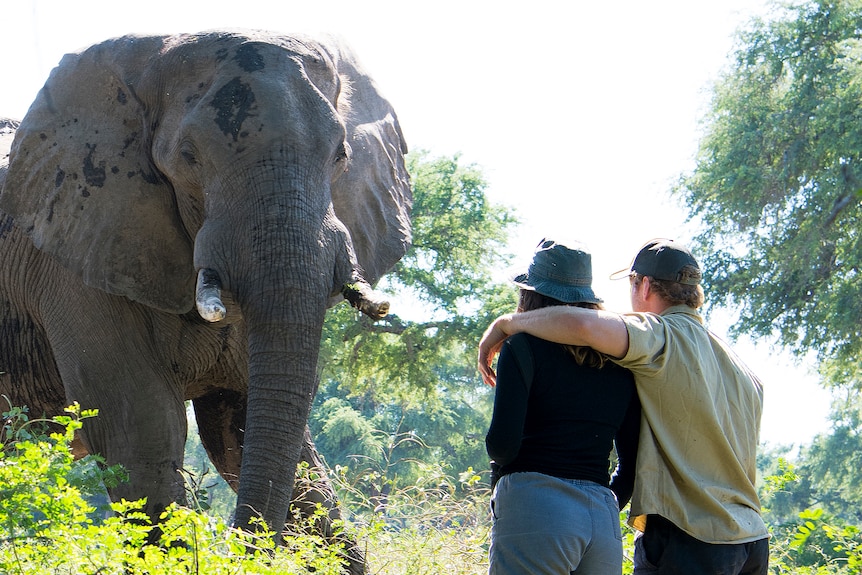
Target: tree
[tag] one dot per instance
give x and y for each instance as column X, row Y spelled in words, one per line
column 829, row 466
column 401, row 390
column 776, row 186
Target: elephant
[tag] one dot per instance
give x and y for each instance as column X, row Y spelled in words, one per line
column 177, row 215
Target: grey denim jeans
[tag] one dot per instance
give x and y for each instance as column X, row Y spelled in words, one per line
column 546, row 525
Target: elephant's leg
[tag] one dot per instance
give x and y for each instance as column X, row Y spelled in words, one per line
column 220, row 415
column 313, row 488
column 28, row 368
column 28, row 372
column 107, row 354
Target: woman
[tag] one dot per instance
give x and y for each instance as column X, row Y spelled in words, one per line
column 558, row 410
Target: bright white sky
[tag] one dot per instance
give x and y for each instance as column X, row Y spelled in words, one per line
column 580, row 114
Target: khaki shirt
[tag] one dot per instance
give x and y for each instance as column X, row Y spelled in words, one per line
column 700, row 429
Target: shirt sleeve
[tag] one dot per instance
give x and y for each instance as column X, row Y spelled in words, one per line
column 626, row 441
column 503, row 441
column 647, row 343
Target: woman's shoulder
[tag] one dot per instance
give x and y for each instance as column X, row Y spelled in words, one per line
column 530, row 339
column 620, row 372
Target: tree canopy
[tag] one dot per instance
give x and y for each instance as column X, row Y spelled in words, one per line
column 406, row 387
column 776, row 187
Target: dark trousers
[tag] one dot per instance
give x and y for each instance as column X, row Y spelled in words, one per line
column 665, row 549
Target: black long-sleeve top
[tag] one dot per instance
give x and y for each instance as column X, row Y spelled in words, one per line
column 565, row 420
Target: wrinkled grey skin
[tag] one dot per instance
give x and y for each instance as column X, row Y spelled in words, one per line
column 270, row 166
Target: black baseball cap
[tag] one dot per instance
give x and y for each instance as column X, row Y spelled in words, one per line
column 662, row 259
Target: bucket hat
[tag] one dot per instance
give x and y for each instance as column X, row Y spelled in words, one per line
column 560, row 272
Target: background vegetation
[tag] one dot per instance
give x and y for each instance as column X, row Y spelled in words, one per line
column 401, row 413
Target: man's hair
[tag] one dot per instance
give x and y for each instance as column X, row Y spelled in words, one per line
column 583, row 355
column 675, row 293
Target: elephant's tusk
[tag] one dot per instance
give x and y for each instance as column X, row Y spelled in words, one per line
column 208, row 296
column 362, row 297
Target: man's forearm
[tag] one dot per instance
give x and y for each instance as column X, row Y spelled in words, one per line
column 603, row 331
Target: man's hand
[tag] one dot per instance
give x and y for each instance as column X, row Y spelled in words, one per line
column 489, row 347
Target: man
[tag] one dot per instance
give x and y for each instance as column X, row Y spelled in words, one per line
column 695, row 500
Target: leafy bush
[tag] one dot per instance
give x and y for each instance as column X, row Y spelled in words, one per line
column 811, row 541
column 438, row 524
column 50, row 528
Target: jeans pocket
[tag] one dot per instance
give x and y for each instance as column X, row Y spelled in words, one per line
column 495, row 498
column 642, row 562
column 614, row 510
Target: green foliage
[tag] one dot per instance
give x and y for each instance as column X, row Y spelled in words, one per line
column 36, row 488
column 777, row 187
column 824, row 474
column 205, row 488
column 416, row 378
column 458, row 235
column 813, row 529
column 458, row 241
column 366, row 436
column 830, row 465
column 437, row 524
column 48, row 527
column 816, row 543
column 423, row 528
column 783, row 491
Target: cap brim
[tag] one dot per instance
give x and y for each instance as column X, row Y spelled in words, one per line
column 622, row 274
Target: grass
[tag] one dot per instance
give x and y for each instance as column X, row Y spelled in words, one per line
column 437, row 524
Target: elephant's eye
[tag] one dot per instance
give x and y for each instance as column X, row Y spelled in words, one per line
column 188, row 152
column 343, row 153
column 189, row 157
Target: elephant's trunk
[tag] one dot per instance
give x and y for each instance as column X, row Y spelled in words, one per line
column 279, row 271
column 283, row 353
column 280, row 267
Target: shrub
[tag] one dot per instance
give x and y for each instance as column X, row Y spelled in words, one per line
column 50, row 528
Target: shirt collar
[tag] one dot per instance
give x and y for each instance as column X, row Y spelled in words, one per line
column 685, row 310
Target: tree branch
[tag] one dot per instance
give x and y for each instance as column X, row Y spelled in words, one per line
column 840, row 204
column 854, row 192
column 395, row 325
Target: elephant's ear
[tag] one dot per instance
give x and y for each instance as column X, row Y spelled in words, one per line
column 373, row 198
column 82, row 186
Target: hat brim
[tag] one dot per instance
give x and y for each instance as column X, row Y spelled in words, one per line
column 563, row 293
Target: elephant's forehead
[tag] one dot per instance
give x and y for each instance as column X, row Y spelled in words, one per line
column 249, row 58
column 236, row 79
column 231, row 70
column 233, row 103
column 249, row 51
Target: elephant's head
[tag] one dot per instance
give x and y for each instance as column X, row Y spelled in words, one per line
column 269, row 162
